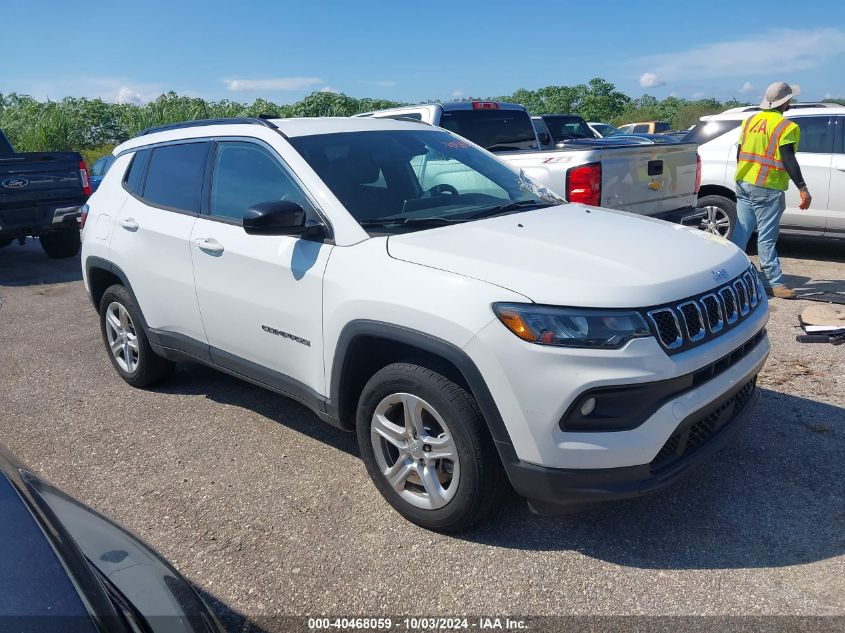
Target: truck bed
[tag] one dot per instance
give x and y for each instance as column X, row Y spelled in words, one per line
column 645, row 179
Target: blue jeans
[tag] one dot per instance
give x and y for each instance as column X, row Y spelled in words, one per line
column 760, row 208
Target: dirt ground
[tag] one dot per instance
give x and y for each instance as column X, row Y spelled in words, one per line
column 269, row 511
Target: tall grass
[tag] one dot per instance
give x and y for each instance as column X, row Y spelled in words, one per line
column 92, row 125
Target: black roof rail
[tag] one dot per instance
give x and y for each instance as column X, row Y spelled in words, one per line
column 203, row 122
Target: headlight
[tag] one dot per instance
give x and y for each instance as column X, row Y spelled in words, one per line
column 571, row 327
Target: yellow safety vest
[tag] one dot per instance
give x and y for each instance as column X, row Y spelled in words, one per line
column 759, row 149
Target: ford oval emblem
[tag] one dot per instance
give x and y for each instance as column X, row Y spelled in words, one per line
column 720, row 275
column 15, row 183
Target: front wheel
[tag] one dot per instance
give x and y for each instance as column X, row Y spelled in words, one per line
column 720, row 218
column 427, row 449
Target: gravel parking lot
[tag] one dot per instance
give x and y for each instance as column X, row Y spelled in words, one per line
column 269, row 511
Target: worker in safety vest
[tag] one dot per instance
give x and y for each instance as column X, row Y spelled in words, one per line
column 765, row 163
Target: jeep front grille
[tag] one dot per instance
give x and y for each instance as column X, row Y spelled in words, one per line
column 701, row 318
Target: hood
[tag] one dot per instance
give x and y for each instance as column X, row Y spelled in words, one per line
column 576, row 255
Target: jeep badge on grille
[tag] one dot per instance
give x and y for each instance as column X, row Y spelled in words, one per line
column 720, row 275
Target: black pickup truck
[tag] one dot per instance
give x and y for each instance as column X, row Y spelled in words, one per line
column 41, row 195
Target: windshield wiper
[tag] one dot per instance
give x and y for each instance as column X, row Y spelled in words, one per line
column 406, row 221
column 507, row 208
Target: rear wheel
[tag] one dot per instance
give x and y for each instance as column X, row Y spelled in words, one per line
column 720, row 217
column 61, row 244
column 126, row 342
column 427, row 449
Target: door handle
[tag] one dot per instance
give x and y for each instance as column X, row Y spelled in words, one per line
column 129, row 224
column 210, row 246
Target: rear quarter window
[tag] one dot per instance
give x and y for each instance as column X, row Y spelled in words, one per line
column 134, row 179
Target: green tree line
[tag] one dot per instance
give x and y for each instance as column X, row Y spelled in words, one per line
column 94, row 126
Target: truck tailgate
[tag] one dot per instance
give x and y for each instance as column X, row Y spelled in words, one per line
column 646, row 179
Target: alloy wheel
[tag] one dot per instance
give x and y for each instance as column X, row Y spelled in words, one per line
column 415, row 451
column 122, row 337
column 717, row 221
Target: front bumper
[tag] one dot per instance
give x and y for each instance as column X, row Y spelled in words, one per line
column 695, row 438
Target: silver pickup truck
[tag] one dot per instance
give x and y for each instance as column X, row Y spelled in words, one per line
column 655, row 180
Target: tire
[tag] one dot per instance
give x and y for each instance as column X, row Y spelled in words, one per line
column 144, row 368
column 448, row 417
column 721, row 217
column 61, row 244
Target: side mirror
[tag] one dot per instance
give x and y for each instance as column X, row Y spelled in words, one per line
column 279, row 217
column 544, row 139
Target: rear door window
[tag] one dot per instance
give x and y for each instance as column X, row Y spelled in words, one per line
column 816, row 137
column 175, row 176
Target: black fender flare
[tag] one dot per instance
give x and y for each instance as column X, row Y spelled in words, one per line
column 432, row 345
column 92, row 262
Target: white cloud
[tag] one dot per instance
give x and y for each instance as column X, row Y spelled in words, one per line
column 650, row 80
column 457, row 93
column 747, row 87
column 278, row 83
column 128, row 95
column 113, row 89
column 783, row 50
column 329, row 89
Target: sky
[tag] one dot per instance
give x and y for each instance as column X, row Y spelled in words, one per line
column 411, row 51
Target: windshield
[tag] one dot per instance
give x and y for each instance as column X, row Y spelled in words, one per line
column 494, row 130
column 605, row 129
column 566, row 128
column 392, row 179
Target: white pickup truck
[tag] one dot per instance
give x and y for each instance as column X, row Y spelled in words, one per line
column 655, row 180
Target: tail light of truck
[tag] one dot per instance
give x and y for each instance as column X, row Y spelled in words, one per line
column 83, row 176
column 583, row 184
column 83, row 216
column 485, row 105
column 697, row 173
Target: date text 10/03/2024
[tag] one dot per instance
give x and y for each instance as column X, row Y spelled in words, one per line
column 417, row 624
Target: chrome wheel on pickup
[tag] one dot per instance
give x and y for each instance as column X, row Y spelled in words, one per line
column 720, row 215
column 427, row 448
column 716, row 221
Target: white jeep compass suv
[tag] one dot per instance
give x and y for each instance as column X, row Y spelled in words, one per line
column 406, row 284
